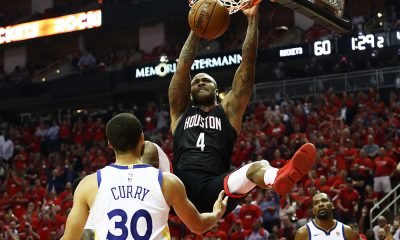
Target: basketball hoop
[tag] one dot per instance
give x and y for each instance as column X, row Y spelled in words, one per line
column 234, row 5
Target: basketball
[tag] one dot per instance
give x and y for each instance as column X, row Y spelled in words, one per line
column 208, row 19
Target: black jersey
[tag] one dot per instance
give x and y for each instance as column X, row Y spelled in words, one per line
column 204, row 141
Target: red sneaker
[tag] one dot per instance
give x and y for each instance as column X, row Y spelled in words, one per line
column 302, row 161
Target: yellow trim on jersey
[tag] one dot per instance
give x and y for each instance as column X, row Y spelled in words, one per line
column 165, row 233
column 95, row 236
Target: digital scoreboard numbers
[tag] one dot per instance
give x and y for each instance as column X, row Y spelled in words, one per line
column 369, row 41
column 342, row 45
column 322, row 48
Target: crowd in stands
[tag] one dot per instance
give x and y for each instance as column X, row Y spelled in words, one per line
column 357, row 136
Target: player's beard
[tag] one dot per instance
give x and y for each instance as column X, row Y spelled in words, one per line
column 324, row 215
column 203, row 99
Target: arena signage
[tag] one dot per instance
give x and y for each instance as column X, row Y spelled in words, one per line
column 291, row 52
column 164, row 69
column 51, row 26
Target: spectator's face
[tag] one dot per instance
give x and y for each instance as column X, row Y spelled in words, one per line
column 285, row 139
column 255, row 226
column 362, row 153
column 350, row 186
column 381, row 234
column 370, row 139
column 381, row 221
column 355, row 168
column 12, row 225
column 349, row 143
column 285, row 221
column 312, row 190
column 382, row 152
column 31, row 206
column 37, row 183
column 68, row 187
column 277, row 154
column 249, row 198
column 322, row 180
column 53, row 235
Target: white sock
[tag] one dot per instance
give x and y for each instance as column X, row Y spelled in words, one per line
column 238, row 182
column 270, row 175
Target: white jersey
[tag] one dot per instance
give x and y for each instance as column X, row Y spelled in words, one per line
column 129, row 204
column 317, row 233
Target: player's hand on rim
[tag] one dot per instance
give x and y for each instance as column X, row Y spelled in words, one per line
column 251, row 11
column 220, row 205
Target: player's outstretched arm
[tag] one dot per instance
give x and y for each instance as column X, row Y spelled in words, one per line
column 155, row 156
column 175, row 195
column 80, row 211
column 301, row 234
column 236, row 101
column 179, row 88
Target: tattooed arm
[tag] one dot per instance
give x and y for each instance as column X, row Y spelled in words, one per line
column 236, row 101
column 179, row 88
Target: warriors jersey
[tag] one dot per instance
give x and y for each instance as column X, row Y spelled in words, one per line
column 129, row 204
column 204, row 141
column 317, row 233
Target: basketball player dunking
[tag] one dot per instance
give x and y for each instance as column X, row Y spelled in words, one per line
column 323, row 226
column 205, row 131
column 131, row 200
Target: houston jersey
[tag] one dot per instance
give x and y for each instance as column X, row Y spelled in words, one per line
column 204, row 141
column 317, row 233
column 129, row 204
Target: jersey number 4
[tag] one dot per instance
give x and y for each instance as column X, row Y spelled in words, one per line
column 200, row 142
column 133, row 224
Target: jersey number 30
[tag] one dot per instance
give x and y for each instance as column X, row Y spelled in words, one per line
column 200, row 142
column 133, row 224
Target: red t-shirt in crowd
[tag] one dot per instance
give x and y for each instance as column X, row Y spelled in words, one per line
column 249, row 214
column 239, row 235
column 366, row 165
column 278, row 163
column 349, row 199
column 78, row 135
column 240, row 156
column 226, row 222
column 217, row 235
column 384, row 166
column 65, row 131
column 99, row 133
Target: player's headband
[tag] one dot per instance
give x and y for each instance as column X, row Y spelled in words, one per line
column 208, row 76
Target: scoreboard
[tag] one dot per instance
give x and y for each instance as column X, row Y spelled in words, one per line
column 340, row 45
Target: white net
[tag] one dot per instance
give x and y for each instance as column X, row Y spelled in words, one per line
column 233, row 5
